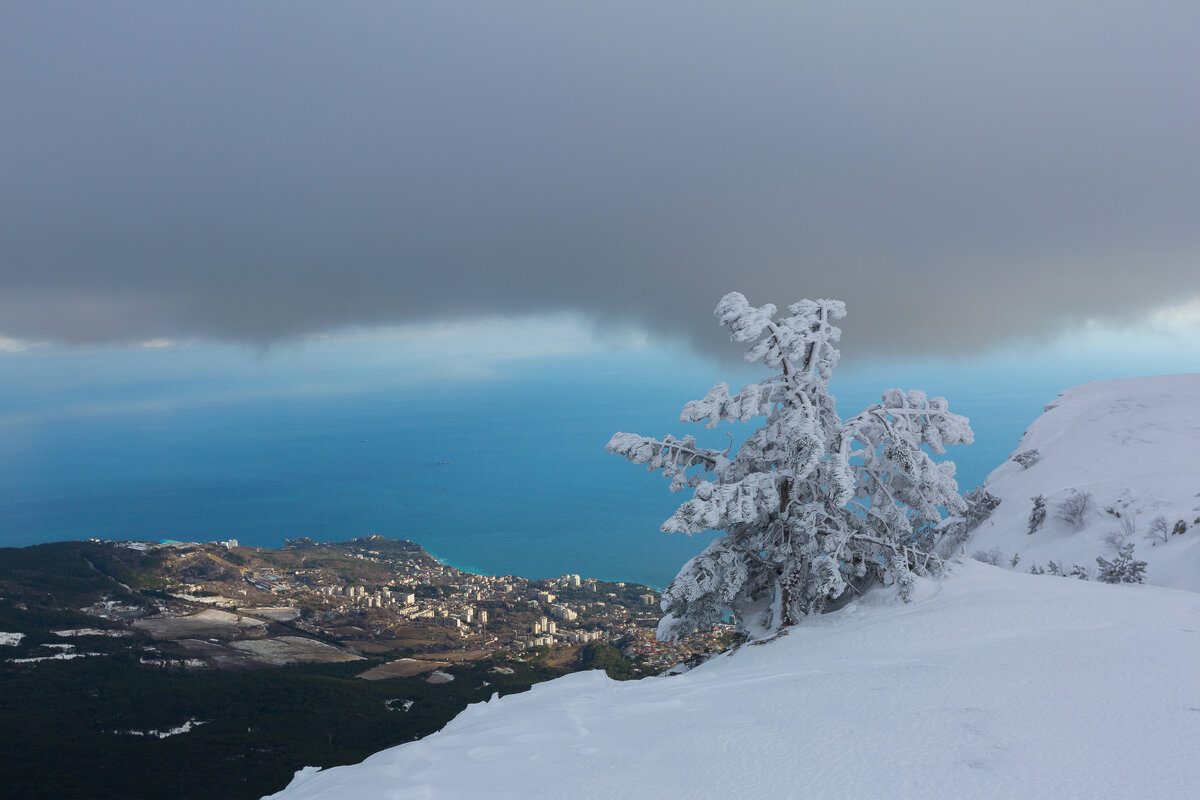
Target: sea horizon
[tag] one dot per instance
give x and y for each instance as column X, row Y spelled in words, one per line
column 504, row 474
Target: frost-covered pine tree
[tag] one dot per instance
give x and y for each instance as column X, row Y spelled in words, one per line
column 810, row 504
column 1122, row 569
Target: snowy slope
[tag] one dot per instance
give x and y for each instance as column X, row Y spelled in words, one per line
column 991, row 684
column 1134, row 444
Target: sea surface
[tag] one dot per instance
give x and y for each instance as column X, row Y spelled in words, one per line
column 501, row 473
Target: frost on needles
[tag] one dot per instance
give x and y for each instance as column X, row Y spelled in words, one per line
column 812, row 506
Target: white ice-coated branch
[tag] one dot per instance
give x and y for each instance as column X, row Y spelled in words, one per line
column 810, row 505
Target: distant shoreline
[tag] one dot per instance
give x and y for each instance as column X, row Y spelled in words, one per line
column 441, row 560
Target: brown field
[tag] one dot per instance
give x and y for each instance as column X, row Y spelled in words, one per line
column 457, row 656
column 402, row 668
column 563, row 657
column 425, row 638
column 370, row 646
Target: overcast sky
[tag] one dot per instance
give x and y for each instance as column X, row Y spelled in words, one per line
column 960, row 173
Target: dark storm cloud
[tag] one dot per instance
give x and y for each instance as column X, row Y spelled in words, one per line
column 255, row 171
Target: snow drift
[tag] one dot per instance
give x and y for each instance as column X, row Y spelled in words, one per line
column 1131, row 445
column 990, row 684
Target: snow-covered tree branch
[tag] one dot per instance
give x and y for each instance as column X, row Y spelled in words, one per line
column 812, row 506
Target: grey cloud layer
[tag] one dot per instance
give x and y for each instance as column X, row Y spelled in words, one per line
column 254, row 171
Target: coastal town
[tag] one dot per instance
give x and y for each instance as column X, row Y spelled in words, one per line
column 376, row 596
column 309, row 653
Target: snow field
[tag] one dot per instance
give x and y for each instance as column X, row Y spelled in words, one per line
column 1132, row 444
column 990, row 684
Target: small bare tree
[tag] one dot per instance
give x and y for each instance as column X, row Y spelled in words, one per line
column 1120, row 537
column 1074, row 507
column 993, row 556
column 1160, row 531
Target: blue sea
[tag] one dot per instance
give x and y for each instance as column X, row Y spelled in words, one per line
column 503, row 472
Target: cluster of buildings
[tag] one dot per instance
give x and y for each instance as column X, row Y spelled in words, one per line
column 568, row 609
column 643, row 645
column 404, row 603
column 406, row 588
column 443, row 617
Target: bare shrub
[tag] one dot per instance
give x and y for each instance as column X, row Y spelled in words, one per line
column 993, row 556
column 1073, row 508
column 1120, row 537
column 1160, row 531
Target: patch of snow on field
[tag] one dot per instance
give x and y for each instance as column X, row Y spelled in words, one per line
column 187, row 663
column 990, row 684
column 1131, row 444
column 11, row 639
column 293, row 649
column 276, row 613
column 212, row 601
column 92, row 632
column 187, row 727
column 55, row 657
column 398, row 703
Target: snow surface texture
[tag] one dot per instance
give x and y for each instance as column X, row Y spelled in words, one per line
column 990, row 684
column 1134, row 445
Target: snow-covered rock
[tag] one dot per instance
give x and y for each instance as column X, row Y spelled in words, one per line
column 990, row 684
column 1134, row 446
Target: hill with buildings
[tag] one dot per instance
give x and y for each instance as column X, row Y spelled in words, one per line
column 217, row 670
